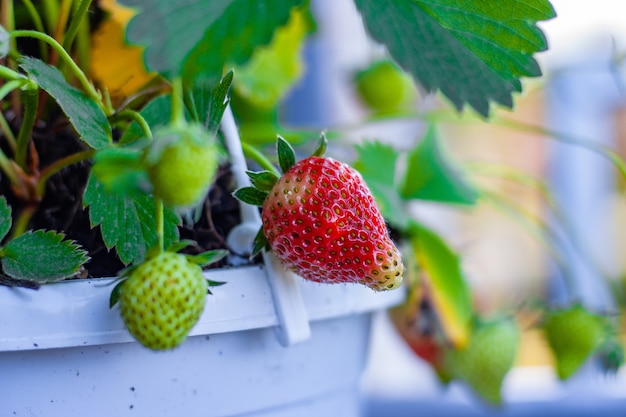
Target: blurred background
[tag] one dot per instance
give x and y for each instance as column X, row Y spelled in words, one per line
column 553, row 134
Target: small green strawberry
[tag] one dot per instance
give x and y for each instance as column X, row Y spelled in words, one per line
column 487, row 359
column 384, row 87
column 573, row 334
column 322, row 222
column 181, row 162
column 162, row 299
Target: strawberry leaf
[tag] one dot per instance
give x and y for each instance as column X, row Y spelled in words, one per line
column 42, row 257
column 156, row 113
column 114, row 298
column 208, row 102
column 121, row 170
column 473, row 51
column 260, row 243
column 431, row 176
column 250, row 195
column 444, row 279
column 5, row 218
column 207, row 258
column 263, row 180
column 84, row 114
column 286, row 154
column 127, row 222
column 197, row 37
column 373, row 156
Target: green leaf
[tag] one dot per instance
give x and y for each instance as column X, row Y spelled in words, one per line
column 121, row 170
column 250, row 195
column 114, row 298
column 263, row 180
column 286, row 154
column 431, row 176
column 207, row 101
column 5, row 218
column 273, row 69
column 84, row 114
column 321, row 148
column 42, row 257
column 127, row 222
column 377, row 164
column 207, row 258
column 446, row 284
column 473, row 51
column 260, row 243
column 197, row 37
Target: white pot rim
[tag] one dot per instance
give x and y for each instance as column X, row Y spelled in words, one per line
column 76, row 313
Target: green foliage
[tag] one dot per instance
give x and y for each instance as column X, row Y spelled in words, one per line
column 5, row 218
column 42, row 257
column 85, row 115
column 127, row 222
column 195, row 38
column 473, row 51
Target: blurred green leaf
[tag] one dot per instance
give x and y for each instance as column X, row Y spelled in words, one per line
column 377, row 164
column 195, row 38
column 274, row 68
column 430, row 175
column 156, row 113
column 473, row 51
column 42, row 257
column 121, row 170
column 85, row 115
column 127, row 222
column 5, row 218
column 445, row 282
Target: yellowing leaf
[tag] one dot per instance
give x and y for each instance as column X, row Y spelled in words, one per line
column 116, row 65
column 274, row 68
column 445, row 283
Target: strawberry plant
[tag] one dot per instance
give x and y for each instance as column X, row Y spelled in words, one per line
column 112, row 158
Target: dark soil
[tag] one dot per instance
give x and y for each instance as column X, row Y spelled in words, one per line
column 61, row 208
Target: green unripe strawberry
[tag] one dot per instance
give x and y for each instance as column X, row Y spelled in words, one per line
column 162, row 299
column 384, row 87
column 487, row 359
column 573, row 334
column 181, row 162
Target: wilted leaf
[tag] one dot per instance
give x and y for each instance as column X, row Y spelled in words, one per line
column 42, row 257
column 446, row 284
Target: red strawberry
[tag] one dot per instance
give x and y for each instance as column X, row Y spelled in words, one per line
column 322, row 222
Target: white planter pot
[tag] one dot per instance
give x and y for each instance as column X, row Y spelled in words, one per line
column 63, row 352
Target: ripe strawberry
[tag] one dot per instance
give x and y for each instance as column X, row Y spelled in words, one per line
column 487, row 359
column 162, row 299
column 321, row 221
column 573, row 334
column 181, row 163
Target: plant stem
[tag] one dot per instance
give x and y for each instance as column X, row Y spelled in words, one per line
column 6, row 130
column 178, row 105
column 58, row 165
column 160, row 224
column 137, row 118
column 37, row 22
column 62, row 18
column 75, row 69
column 23, row 219
column 7, row 168
column 30, row 100
column 11, row 75
column 51, row 13
column 77, row 19
column 258, row 157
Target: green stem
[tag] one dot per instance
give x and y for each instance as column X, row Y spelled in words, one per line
column 51, row 13
column 178, row 104
column 75, row 69
column 258, row 157
column 58, row 165
column 8, row 133
column 7, row 168
column 37, row 22
column 11, row 75
column 63, row 17
column 7, row 19
column 160, row 222
column 23, row 219
column 77, row 19
column 30, row 101
column 137, row 118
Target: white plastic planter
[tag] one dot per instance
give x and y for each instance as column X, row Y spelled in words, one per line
column 63, row 352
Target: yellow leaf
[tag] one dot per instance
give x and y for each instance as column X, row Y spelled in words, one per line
column 117, row 66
